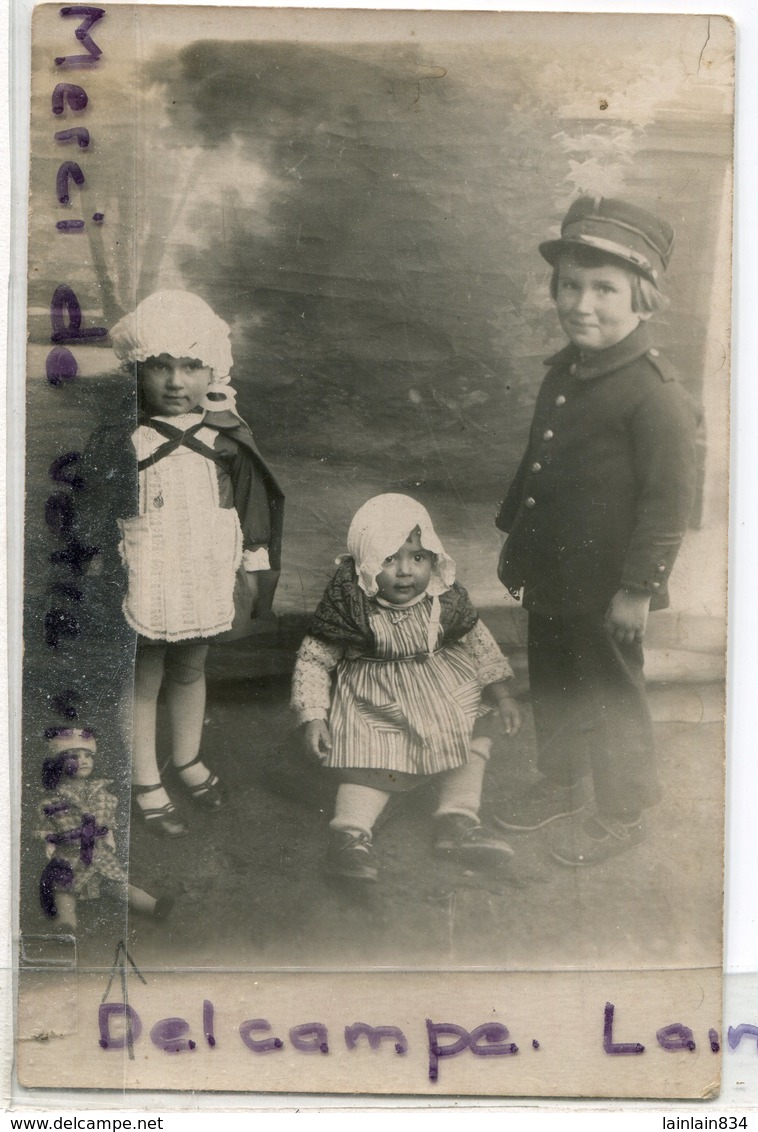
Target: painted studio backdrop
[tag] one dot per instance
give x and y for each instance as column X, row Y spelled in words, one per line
column 365, row 214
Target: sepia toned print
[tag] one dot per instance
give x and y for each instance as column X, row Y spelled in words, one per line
column 293, row 283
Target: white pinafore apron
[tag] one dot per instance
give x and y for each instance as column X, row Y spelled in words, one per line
column 182, row 550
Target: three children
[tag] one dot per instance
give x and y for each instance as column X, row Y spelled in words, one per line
column 397, row 668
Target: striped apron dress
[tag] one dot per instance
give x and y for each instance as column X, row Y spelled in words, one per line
column 404, row 709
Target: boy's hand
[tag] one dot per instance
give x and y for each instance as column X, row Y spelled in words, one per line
column 252, row 586
column 626, row 619
column 508, row 709
column 317, row 741
column 510, row 713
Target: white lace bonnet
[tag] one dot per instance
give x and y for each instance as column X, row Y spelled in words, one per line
column 183, row 325
column 381, row 526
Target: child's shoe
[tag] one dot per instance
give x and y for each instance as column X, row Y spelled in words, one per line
column 210, row 794
column 163, row 820
column 595, row 840
column 542, row 804
column 348, row 856
column 462, row 839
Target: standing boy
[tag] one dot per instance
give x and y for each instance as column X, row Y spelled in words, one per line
column 595, row 516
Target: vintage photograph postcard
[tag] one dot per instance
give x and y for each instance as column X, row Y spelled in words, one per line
column 374, row 593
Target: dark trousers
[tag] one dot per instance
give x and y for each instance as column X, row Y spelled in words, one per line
column 591, row 712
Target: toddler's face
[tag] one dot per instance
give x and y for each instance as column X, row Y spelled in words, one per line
column 595, row 304
column 406, row 573
column 172, row 386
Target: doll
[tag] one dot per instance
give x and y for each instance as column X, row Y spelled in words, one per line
column 78, row 813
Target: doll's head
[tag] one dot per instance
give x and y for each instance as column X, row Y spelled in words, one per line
column 180, row 351
column 71, row 753
column 606, row 269
column 397, row 553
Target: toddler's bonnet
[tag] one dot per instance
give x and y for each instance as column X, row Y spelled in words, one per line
column 381, row 526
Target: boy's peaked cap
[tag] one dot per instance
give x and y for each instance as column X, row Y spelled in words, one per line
column 622, row 231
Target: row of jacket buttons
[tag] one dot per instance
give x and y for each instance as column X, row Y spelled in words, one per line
column 536, row 467
column 661, row 568
column 548, row 434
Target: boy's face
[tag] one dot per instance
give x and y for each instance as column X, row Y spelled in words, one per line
column 595, row 304
column 406, row 573
column 172, row 386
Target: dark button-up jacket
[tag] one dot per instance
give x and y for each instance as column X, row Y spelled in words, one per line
column 602, row 497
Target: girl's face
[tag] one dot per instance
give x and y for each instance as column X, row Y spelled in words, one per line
column 406, row 573
column 595, row 304
column 172, row 386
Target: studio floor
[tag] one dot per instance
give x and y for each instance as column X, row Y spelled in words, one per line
column 250, row 891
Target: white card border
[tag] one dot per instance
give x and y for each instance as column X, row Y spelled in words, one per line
column 741, row 906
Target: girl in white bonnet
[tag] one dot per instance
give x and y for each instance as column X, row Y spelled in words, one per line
column 412, row 660
column 186, row 517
